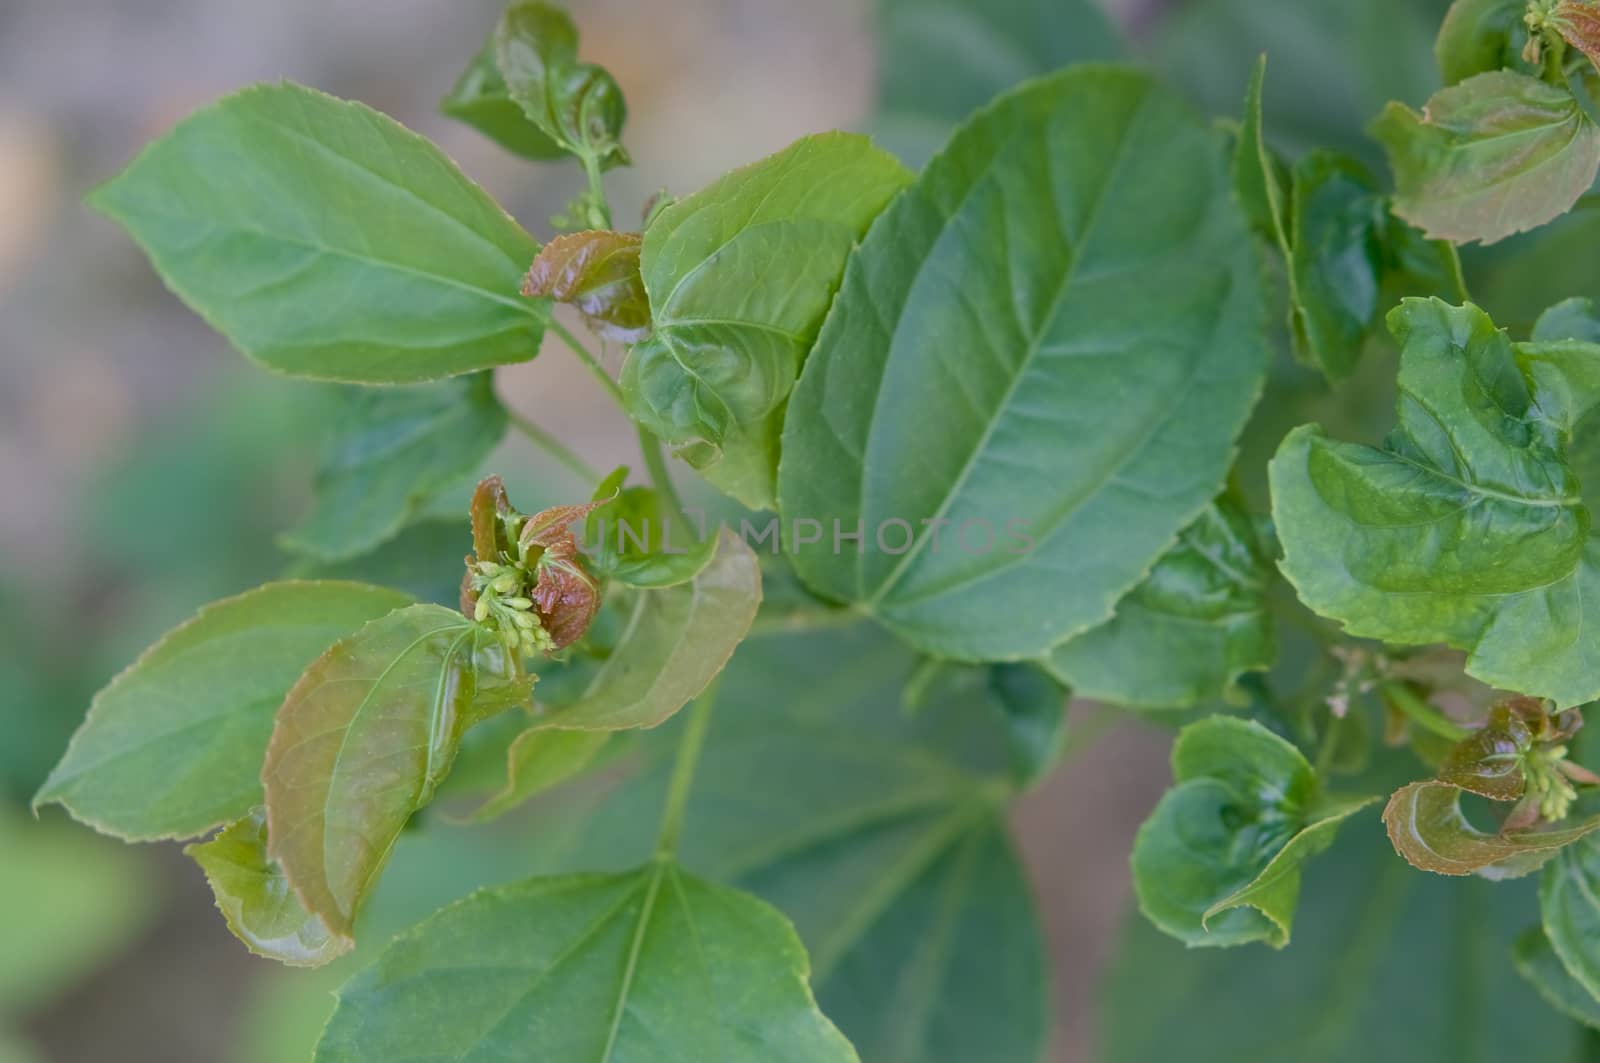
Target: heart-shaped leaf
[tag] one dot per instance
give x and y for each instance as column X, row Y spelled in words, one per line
column 1006, row 423
column 362, row 741
column 173, row 746
column 414, row 277
column 602, row 967
column 1468, row 527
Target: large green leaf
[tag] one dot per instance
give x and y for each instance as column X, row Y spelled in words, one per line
column 652, row 964
column 1218, row 862
column 395, row 450
column 880, row 834
column 1387, row 965
column 256, row 899
column 326, row 240
column 1467, row 528
column 361, row 742
column 1189, row 630
column 1497, row 154
column 940, row 60
column 739, row 276
column 1538, row 963
column 173, row 746
column 1045, row 348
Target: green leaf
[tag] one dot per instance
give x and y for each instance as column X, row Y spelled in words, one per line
column 739, row 276
column 1048, row 344
column 328, row 241
column 1538, row 963
column 540, row 759
column 1569, row 907
column 673, row 643
column 1337, row 226
column 1387, row 965
column 1428, row 828
column 1497, row 154
column 577, row 105
column 1187, row 632
column 880, row 834
column 622, row 966
column 480, row 99
column 1258, row 175
column 256, row 900
column 173, row 746
column 597, row 272
column 1218, row 861
column 1467, row 528
column 632, row 540
column 361, row 742
column 940, row 60
column 396, row 450
column 1480, row 36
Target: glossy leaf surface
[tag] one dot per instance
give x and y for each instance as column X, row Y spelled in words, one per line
column 1218, row 862
column 605, row 967
column 739, row 277
column 1497, row 154
column 326, row 240
column 1429, row 828
column 995, row 365
column 173, row 746
column 1189, row 630
column 256, row 899
column 393, row 451
column 1468, row 527
column 361, row 742
column 480, row 99
column 578, row 105
column 598, row 273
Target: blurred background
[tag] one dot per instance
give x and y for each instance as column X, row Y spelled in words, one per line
column 145, row 468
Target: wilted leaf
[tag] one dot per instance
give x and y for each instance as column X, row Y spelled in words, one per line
column 1468, row 527
column 173, row 746
column 598, row 273
column 577, row 105
column 361, row 742
column 603, row 967
column 257, row 901
column 740, row 275
column 1218, row 861
column 1186, row 633
column 481, row 100
column 414, row 276
column 1497, row 154
column 393, row 452
column 994, row 367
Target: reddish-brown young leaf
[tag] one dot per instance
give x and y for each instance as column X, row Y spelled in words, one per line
column 565, row 595
column 490, row 507
column 1578, row 21
column 1489, row 761
column 598, row 273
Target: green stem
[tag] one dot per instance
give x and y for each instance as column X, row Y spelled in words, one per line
column 1424, row 715
column 655, row 463
column 683, row 769
column 588, row 359
column 599, row 207
column 1330, row 743
column 552, row 446
column 1457, row 276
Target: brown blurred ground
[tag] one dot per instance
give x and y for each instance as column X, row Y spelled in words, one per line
column 92, row 350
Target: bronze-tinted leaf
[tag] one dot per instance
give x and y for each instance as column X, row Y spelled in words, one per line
column 1578, row 21
column 1489, row 762
column 565, row 595
column 490, row 507
column 360, row 743
column 1428, row 828
column 598, row 273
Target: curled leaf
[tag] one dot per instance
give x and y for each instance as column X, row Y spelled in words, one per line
column 578, row 105
column 1497, row 154
column 1428, row 828
column 598, row 273
column 1468, row 527
column 1578, row 22
column 480, row 99
column 1218, row 861
column 256, row 900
